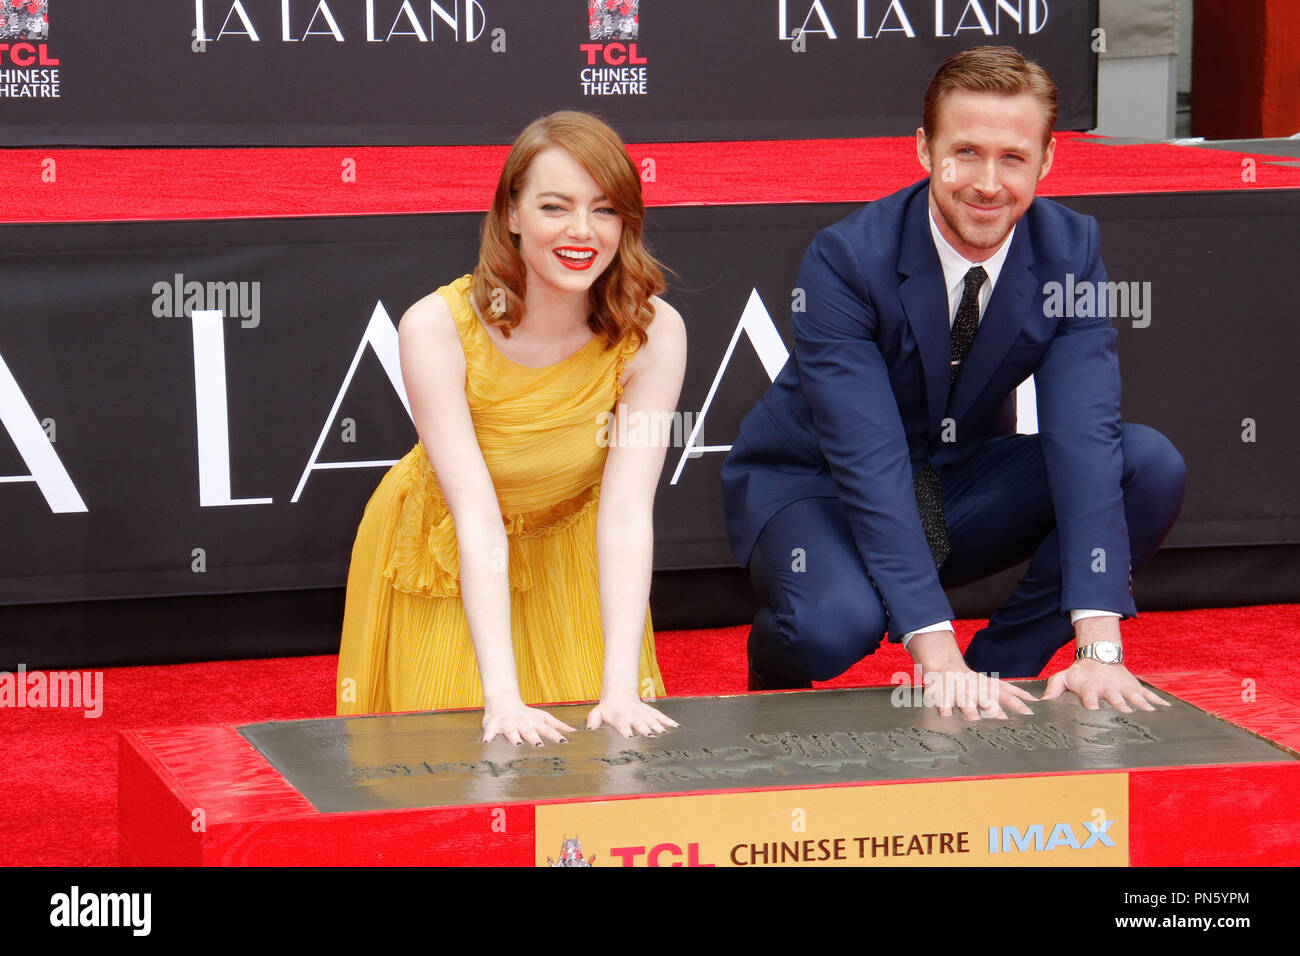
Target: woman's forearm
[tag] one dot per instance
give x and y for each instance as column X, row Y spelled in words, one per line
column 624, row 549
column 485, row 595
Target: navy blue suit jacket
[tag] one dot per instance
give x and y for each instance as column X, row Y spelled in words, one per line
column 860, row 405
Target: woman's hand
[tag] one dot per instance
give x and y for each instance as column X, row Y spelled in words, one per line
column 629, row 716
column 518, row 722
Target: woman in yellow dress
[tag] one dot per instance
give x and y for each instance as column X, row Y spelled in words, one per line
column 506, row 559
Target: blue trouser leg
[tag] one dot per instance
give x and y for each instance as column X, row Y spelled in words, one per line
column 1031, row 626
column 819, row 613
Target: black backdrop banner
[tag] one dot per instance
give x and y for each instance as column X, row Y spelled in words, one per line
column 206, row 407
column 373, row 72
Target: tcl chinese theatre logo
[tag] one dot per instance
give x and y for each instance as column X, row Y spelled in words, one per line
column 24, row 20
column 26, row 64
column 613, row 65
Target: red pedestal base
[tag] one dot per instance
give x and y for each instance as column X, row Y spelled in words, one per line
column 203, row 796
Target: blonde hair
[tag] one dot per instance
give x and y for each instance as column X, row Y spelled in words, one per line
column 620, row 296
column 990, row 69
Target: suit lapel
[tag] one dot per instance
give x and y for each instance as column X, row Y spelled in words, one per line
column 1003, row 319
column 925, row 302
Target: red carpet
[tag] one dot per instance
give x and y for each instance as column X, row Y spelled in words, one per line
column 119, row 184
column 58, row 795
column 58, row 798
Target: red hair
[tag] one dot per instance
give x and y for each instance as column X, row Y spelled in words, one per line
column 620, row 296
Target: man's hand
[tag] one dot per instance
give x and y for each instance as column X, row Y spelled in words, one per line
column 949, row 683
column 1094, row 681
column 975, row 695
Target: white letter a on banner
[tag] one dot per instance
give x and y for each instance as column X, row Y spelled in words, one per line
column 381, row 335
column 755, row 322
column 46, row 469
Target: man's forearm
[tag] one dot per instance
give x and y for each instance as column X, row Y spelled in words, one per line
column 1100, row 630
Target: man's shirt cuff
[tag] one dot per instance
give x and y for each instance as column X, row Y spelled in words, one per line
column 1077, row 616
column 941, row 626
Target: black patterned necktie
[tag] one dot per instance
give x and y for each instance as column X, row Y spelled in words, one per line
column 929, row 502
column 967, row 322
column 926, row 484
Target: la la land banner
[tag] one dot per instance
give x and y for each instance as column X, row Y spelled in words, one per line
column 366, row 72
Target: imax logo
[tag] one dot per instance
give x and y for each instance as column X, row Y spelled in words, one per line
column 1007, row 839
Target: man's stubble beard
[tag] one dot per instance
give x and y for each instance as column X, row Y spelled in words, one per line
column 974, row 234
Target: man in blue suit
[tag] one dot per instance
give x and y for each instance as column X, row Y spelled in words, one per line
column 882, row 464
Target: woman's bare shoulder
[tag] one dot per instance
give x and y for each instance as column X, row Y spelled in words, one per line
column 665, row 343
column 667, row 333
column 429, row 315
column 428, row 338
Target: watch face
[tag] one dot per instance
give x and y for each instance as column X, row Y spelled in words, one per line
column 1106, row 651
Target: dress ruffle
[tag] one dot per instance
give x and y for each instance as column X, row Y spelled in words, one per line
column 425, row 558
column 625, row 350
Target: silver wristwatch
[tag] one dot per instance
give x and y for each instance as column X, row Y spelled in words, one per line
column 1108, row 652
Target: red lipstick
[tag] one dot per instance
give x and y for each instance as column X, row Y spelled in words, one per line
column 579, row 258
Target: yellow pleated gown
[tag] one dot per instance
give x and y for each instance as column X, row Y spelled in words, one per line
column 406, row 643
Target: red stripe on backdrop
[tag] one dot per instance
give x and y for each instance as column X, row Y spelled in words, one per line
column 135, row 184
